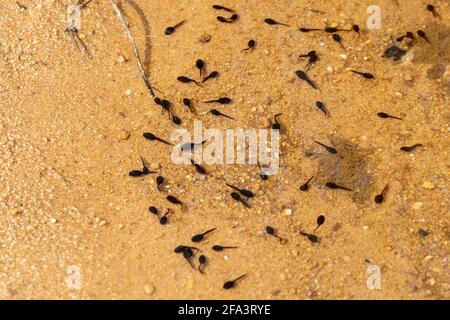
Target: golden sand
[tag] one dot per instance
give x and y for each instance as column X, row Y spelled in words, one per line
column 73, row 224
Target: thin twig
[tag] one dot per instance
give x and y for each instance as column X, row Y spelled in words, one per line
column 79, row 44
column 133, row 47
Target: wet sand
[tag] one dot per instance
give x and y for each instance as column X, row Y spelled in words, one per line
column 71, row 130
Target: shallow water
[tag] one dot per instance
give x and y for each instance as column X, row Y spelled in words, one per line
column 73, row 224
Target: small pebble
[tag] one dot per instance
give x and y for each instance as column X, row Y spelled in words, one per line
column 149, row 289
column 423, row 233
column 428, row 185
column 52, row 221
column 343, row 56
column 287, row 211
column 124, row 135
column 417, row 205
column 128, row 92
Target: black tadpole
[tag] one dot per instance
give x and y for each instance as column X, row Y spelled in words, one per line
column 308, row 29
column 174, row 200
column 231, row 284
column 159, row 182
column 221, row 248
column 212, row 75
column 250, row 44
column 244, row 192
column 379, row 198
column 216, row 112
column 338, row 39
column 432, row 9
column 328, row 148
column 384, row 115
column 236, row 196
column 366, row 75
column 222, row 100
column 164, row 219
column 321, row 107
column 332, row 185
column 176, row 120
column 199, row 237
column 411, row 148
column 153, row 210
column 219, row 7
column 152, row 137
column 311, row 237
column 188, row 103
column 136, row 173
column 200, row 65
column 184, row 79
column 302, row 75
column 270, row 230
column 305, row 186
column 272, row 22
column 423, row 35
column 170, row 30
column 199, row 168
column 320, row 221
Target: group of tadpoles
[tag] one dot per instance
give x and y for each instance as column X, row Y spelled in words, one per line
column 189, row 253
column 239, row 194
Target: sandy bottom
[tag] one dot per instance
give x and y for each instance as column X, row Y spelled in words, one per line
column 73, row 224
